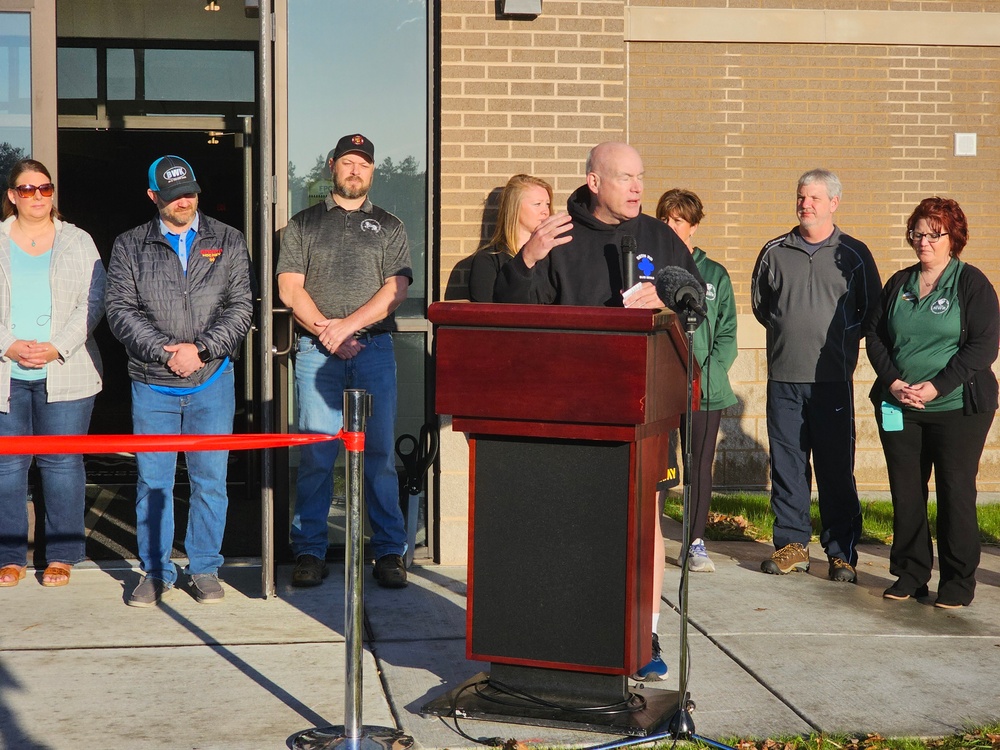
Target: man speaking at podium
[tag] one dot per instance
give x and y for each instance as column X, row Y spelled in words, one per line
column 574, row 258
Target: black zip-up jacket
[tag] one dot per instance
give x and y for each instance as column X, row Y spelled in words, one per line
column 151, row 302
column 587, row 270
column 977, row 342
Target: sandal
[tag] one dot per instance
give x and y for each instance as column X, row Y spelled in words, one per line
column 56, row 574
column 11, row 575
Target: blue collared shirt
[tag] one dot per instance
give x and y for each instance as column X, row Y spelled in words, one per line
column 181, row 243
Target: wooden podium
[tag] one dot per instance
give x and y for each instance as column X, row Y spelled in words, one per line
column 569, row 412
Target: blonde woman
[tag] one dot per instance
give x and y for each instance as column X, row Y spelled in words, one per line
column 524, row 202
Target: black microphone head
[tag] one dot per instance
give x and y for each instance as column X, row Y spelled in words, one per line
column 630, row 274
column 674, row 283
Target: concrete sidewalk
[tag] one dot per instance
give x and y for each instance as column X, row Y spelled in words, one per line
column 769, row 656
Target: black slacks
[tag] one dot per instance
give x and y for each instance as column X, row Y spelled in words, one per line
column 952, row 443
column 704, row 435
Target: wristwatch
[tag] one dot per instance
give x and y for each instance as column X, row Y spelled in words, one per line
column 203, row 354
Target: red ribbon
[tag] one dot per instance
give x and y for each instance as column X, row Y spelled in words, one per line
column 45, row 444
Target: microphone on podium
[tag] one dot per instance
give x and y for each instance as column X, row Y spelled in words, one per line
column 630, row 274
column 680, row 291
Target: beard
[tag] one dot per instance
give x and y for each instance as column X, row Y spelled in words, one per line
column 178, row 216
column 356, row 188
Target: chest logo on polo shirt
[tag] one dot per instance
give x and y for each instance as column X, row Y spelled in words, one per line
column 940, row 306
column 709, row 291
column 211, row 253
column 370, row 225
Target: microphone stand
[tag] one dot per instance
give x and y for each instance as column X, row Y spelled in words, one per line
column 681, row 725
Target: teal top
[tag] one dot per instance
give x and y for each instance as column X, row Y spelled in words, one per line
column 715, row 346
column 925, row 332
column 30, row 304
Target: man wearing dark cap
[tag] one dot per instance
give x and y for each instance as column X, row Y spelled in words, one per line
column 179, row 300
column 344, row 267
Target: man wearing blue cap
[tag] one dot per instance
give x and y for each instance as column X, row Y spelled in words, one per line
column 179, row 300
column 344, row 268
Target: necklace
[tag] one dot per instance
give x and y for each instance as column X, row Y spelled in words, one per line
column 36, row 237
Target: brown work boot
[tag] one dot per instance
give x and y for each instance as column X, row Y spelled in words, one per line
column 788, row 559
column 842, row 571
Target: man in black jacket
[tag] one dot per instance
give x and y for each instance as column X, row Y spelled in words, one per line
column 179, row 299
column 573, row 257
column 584, row 268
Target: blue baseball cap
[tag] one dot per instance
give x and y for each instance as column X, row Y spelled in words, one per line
column 172, row 177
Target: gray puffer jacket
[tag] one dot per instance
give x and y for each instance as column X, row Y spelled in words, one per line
column 151, row 302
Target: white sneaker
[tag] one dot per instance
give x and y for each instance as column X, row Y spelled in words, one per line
column 698, row 559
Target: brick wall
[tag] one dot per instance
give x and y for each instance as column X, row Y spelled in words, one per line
column 737, row 123
column 520, row 96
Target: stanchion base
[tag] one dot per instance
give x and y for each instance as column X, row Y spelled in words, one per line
column 464, row 703
column 372, row 738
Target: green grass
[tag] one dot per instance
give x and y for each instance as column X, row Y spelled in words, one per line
column 986, row 737
column 748, row 516
column 980, row 738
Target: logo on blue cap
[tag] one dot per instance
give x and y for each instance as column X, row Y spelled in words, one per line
column 172, row 177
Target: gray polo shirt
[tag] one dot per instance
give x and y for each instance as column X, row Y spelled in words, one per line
column 345, row 256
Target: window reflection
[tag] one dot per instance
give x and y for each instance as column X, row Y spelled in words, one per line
column 76, row 71
column 224, row 75
column 376, row 85
column 15, row 90
column 121, row 75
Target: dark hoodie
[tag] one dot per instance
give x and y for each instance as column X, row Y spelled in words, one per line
column 587, row 270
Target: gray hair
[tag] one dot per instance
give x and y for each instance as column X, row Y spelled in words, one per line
column 833, row 187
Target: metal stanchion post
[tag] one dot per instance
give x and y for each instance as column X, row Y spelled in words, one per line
column 353, row 735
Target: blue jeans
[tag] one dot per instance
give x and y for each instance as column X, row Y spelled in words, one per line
column 208, row 412
column 320, row 380
column 64, row 481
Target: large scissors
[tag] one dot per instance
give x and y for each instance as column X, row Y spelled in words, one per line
column 417, row 458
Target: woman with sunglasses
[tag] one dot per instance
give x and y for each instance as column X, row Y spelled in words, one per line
column 932, row 344
column 51, row 299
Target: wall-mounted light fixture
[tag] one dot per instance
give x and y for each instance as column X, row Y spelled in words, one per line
column 213, row 6
column 520, row 7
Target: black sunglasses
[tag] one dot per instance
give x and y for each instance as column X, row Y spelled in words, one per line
column 28, row 191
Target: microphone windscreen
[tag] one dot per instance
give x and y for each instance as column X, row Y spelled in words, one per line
column 670, row 280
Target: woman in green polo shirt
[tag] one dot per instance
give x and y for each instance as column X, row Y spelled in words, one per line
column 932, row 345
column 715, row 349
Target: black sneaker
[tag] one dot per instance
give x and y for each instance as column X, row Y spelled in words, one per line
column 842, row 571
column 309, row 571
column 148, row 593
column 899, row 592
column 206, row 589
column 390, row 572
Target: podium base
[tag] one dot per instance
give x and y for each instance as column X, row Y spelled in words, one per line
column 646, row 713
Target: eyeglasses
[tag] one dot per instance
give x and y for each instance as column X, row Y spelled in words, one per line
column 28, row 191
column 932, row 237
